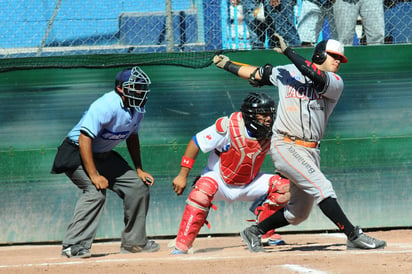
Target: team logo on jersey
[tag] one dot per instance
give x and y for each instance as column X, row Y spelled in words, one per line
column 207, row 138
column 295, row 76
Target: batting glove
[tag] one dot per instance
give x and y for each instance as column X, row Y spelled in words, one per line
column 282, row 44
column 221, row 61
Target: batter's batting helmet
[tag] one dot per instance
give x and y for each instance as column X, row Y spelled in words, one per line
column 328, row 46
column 258, row 103
column 135, row 86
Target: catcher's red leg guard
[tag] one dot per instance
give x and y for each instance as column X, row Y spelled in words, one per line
column 278, row 197
column 196, row 211
column 278, row 190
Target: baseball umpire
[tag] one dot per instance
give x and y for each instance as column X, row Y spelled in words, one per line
column 88, row 159
column 308, row 93
column 237, row 146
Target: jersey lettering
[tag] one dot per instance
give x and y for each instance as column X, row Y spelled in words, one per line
column 303, row 92
column 301, row 160
column 109, row 135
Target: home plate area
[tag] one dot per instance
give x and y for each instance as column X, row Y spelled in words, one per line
column 302, row 253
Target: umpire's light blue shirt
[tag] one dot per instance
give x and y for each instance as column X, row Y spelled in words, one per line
column 108, row 122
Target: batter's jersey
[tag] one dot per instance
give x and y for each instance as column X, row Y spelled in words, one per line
column 303, row 111
column 108, row 122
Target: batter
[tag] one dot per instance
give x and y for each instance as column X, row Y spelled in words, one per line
column 308, row 93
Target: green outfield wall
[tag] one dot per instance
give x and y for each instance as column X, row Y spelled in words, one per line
column 366, row 151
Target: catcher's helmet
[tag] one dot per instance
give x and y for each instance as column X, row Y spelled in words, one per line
column 134, row 83
column 258, row 103
column 328, row 46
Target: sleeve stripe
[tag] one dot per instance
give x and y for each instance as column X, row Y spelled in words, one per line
column 87, row 132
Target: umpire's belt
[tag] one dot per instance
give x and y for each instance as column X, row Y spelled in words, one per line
column 301, row 142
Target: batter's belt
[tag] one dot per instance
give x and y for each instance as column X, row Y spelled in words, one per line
column 300, row 142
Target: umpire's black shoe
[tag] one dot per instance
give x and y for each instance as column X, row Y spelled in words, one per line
column 151, row 246
column 76, row 251
column 251, row 236
column 358, row 240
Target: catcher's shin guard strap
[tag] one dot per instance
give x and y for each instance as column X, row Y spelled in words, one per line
column 204, row 192
column 266, row 210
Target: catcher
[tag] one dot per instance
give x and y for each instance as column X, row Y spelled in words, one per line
column 238, row 145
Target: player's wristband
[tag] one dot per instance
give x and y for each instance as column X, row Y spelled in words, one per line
column 187, row 162
column 233, row 68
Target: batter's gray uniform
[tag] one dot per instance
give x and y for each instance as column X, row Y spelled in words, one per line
column 308, row 93
column 302, row 114
column 372, row 14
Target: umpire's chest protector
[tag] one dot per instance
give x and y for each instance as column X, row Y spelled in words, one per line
column 241, row 163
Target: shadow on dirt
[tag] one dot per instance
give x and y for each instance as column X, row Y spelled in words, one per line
column 312, row 247
column 215, row 249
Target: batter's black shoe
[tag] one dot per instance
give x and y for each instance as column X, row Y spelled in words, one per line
column 358, row 240
column 76, row 251
column 252, row 237
column 151, row 246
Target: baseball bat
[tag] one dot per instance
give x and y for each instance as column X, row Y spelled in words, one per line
column 239, row 64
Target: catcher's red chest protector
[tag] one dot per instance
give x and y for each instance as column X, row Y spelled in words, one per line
column 241, row 163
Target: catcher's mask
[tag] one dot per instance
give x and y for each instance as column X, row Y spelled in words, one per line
column 134, row 84
column 258, row 103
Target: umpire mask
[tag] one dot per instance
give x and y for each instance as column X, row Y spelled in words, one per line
column 135, row 87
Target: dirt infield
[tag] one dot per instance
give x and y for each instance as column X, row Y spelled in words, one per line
column 303, row 253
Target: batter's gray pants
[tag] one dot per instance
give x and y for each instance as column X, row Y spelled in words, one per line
column 123, row 180
column 307, row 182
